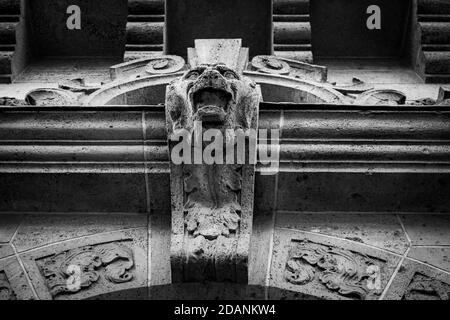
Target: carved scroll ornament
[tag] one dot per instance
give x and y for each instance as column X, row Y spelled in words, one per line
column 350, row 274
column 112, row 261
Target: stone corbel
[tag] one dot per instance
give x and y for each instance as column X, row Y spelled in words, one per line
column 212, row 204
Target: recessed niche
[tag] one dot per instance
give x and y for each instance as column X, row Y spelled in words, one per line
column 249, row 20
column 102, row 32
column 340, row 28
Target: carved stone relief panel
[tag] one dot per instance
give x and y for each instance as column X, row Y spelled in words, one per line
column 288, row 67
column 418, row 281
column 111, row 262
column 92, row 266
column 346, row 272
column 328, row 268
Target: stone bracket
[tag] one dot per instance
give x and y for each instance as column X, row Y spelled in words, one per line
column 212, row 204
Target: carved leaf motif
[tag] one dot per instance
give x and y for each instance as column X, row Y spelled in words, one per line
column 212, row 206
column 116, row 259
column 339, row 270
column 298, row 272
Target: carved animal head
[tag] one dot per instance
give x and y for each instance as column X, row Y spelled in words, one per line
column 214, row 94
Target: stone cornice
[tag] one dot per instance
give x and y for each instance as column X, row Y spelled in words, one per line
column 313, row 137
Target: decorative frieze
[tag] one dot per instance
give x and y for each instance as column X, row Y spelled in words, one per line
column 349, row 273
column 316, row 266
column 90, row 266
column 78, row 269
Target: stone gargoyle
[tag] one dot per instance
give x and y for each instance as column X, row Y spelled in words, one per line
column 212, row 203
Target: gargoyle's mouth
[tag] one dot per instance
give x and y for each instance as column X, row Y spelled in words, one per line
column 211, row 104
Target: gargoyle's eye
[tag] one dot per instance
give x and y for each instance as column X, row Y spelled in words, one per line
column 193, row 75
column 230, row 75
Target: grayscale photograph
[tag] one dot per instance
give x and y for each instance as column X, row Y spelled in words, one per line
column 249, row 151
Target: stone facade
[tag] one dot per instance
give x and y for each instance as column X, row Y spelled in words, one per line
column 92, row 205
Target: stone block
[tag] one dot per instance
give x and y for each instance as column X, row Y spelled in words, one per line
column 73, row 192
column 260, row 242
column 249, row 20
column 438, row 257
column 100, row 34
column 13, row 281
column 8, row 226
column 430, row 230
column 339, row 28
column 314, row 266
column 363, row 191
column 415, row 281
column 43, row 230
column 207, row 291
column 110, row 263
column 378, row 230
column 6, row 250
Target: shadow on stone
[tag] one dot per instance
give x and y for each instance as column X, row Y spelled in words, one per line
column 205, row 291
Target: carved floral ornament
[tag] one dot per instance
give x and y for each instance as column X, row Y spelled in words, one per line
column 350, row 274
column 71, row 271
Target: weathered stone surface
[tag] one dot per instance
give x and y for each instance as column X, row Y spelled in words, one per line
column 109, row 263
column 438, row 257
column 249, row 20
column 379, row 230
column 292, row 32
column 433, row 7
column 146, row 6
column 156, row 65
column 13, row 282
column 381, row 97
column 436, row 63
column 415, row 281
column 431, row 39
column 362, row 191
column 6, row 250
column 289, row 67
column 13, row 42
column 139, row 33
column 435, row 32
column 100, row 35
column 427, row 229
column 8, row 226
column 42, row 230
column 207, row 291
column 339, row 28
column 260, row 249
column 324, row 268
column 66, row 192
column 212, row 204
